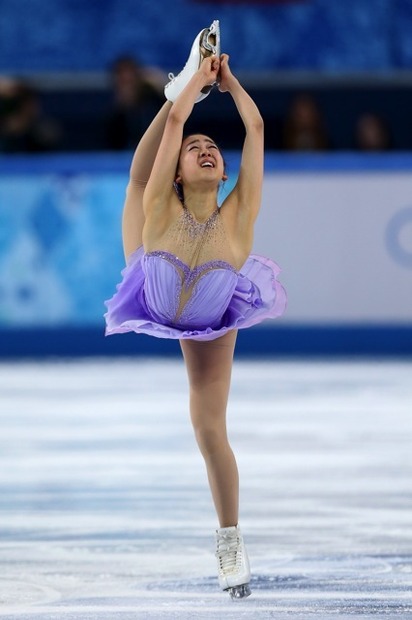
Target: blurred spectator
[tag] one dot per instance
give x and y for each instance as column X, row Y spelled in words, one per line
column 7, row 86
column 24, row 128
column 372, row 133
column 304, row 127
column 137, row 96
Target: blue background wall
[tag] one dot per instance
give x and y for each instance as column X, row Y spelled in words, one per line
column 60, row 251
column 326, row 35
column 61, row 255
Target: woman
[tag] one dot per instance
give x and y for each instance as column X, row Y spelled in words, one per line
column 189, row 275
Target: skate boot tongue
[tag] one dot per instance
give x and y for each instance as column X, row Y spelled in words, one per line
column 228, row 531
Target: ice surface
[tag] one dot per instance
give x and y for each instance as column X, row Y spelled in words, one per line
column 105, row 511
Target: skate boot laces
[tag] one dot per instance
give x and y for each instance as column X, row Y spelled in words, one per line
column 229, row 553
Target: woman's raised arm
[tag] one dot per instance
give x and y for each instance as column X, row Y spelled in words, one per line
column 248, row 189
column 160, row 185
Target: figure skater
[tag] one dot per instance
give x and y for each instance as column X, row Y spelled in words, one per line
column 189, row 272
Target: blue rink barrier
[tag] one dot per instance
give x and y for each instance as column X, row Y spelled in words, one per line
column 61, row 256
column 283, row 341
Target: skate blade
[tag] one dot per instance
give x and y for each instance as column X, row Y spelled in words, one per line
column 238, row 592
column 210, row 46
column 210, row 40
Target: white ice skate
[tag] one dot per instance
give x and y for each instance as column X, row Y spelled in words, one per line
column 207, row 43
column 232, row 562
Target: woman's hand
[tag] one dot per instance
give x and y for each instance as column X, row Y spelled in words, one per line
column 209, row 69
column 226, row 78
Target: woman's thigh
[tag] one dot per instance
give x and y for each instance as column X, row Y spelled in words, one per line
column 133, row 219
column 209, row 367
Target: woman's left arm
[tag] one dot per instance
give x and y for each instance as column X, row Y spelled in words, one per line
column 248, row 189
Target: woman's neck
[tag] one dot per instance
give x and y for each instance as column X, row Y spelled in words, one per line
column 201, row 206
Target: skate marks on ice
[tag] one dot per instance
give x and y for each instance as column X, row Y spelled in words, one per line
column 105, row 511
column 365, row 587
column 297, row 595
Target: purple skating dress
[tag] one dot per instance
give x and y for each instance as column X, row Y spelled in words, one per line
column 189, row 289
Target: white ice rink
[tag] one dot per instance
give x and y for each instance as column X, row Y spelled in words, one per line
column 105, row 512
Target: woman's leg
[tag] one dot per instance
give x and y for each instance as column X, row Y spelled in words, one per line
column 141, row 167
column 209, row 366
column 146, row 151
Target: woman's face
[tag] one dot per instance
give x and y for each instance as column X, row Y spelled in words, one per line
column 200, row 161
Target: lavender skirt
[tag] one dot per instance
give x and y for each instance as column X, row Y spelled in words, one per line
column 223, row 299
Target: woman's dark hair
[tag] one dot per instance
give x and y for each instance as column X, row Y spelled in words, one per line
column 178, row 186
column 179, row 191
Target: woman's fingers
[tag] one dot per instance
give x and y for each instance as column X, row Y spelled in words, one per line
column 215, row 63
column 224, row 61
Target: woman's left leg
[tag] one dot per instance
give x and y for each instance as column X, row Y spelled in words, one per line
column 209, row 367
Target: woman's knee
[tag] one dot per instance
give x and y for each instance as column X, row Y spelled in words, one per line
column 210, row 439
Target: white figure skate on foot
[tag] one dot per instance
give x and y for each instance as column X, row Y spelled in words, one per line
column 207, row 43
column 232, row 562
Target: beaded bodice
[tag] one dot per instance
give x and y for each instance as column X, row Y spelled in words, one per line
column 190, row 280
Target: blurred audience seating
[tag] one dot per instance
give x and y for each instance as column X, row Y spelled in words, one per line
column 90, row 118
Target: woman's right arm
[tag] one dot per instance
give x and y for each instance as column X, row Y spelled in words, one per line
column 159, row 188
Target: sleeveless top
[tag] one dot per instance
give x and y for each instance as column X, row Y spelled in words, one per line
column 189, row 288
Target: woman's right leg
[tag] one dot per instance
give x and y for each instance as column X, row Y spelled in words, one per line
column 209, row 367
column 141, row 167
column 146, row 150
